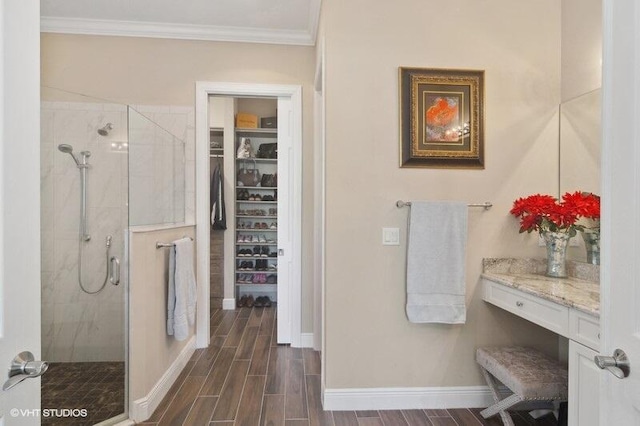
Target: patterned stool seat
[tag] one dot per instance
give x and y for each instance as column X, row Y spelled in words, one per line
column 529, row 374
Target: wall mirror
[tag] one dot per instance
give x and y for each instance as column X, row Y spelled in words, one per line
column 580, row 143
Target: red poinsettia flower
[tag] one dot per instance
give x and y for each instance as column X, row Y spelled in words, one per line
column 544, row 213
column 584, row 204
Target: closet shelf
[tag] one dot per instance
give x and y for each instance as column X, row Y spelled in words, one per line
column 256, row 258
column 259, row 160
column 257, row 130
column 257, row 272
column 255, row 230
column 257, row 187
column 275, row 243
column 269, row 286
column 256, row 216
column 256, row 202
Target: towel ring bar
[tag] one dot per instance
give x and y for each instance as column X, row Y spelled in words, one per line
column 160, row 245
column 486, row 205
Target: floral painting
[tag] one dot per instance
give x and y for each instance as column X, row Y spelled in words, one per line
column 441, row 118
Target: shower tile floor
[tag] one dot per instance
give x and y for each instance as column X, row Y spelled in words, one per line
column 97, row 387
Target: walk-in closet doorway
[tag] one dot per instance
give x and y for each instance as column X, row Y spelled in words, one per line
column 285, row 212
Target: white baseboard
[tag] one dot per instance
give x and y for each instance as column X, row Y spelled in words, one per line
column 228, row 304
column 407, row 398
column 306, row 340
column 143, row 408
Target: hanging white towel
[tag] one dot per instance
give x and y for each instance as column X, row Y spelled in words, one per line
column 181, row 295
column 436, row 262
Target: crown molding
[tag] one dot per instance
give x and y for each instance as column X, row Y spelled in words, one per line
column 314, row 19
column 181, row 31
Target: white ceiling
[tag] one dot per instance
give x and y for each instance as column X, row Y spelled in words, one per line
column 258, row 21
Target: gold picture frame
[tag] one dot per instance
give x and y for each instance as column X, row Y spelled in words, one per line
column 441, row 118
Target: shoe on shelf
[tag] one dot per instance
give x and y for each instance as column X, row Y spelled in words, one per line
column 265, row 251
column 273, row 225
column 240, row 238
column 259, row 303
column 273, row 267
column 256, row 251
column 266, row 301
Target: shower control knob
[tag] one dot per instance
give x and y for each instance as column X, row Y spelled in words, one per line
column 24, row 366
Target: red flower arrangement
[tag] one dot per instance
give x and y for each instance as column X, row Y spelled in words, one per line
column 544, row 212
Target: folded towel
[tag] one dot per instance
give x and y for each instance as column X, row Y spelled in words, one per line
column 436, row 262
column 181, row 300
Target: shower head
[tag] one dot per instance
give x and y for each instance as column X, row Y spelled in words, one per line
column 68, row 149
column 104, row 131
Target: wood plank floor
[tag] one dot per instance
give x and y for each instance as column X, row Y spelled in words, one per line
column 245, row 378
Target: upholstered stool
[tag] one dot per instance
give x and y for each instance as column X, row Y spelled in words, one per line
column 529, row 374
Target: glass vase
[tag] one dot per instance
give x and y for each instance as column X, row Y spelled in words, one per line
column 592, row 244
column 557, row 243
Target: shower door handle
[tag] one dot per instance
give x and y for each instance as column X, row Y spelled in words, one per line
column 24, row 366
column 114, row 277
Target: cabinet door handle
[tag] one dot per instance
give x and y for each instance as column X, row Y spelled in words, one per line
column 519, row 304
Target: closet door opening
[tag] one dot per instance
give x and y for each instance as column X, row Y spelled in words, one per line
column 253, row 211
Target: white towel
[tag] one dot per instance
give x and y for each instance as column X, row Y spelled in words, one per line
column 436, row 262
column 181, row 297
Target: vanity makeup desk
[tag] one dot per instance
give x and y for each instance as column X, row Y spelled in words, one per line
column 567, row 306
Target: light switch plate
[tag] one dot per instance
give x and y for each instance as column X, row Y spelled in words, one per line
column 390, row 236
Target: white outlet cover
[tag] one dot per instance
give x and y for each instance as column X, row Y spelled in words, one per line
column 390, row 236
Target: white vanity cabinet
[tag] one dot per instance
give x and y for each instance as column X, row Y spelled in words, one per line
column 570, row 312
column 584, row 382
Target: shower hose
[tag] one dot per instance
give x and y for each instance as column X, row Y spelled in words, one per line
column 106, row 274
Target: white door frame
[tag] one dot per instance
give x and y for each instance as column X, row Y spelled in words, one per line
column 319, row 168
column 203, row 222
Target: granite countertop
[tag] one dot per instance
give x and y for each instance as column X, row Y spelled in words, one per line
column 581, row 290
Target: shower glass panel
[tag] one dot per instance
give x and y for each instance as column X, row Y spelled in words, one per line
column 156, row 170
column 84, row 218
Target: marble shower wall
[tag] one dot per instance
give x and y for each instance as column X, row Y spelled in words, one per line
column 78, row 326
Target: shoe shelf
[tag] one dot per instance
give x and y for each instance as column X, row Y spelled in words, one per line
column 264, row 188
column 245, row 276
column 255, row 258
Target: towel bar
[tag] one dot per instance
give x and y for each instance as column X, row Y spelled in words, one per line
column 486, row 205
column 160, row 245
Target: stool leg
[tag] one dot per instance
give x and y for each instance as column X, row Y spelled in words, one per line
column 500, row 406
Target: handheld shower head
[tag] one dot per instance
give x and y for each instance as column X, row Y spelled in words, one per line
column 104, row 131
column 68, row 149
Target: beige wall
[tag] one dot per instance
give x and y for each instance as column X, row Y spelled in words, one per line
column 369, row 342
column 151, row 351
column 157, row 71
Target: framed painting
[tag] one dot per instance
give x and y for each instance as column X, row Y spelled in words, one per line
column 441, row 118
